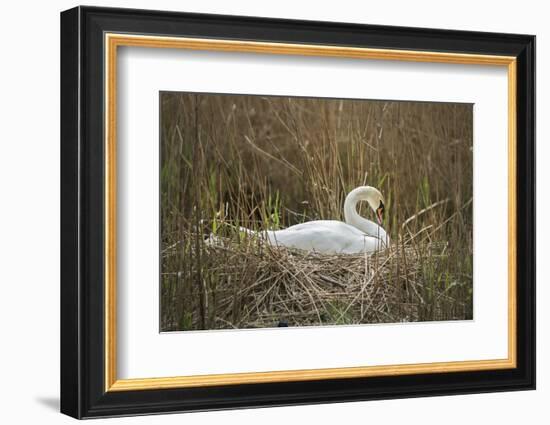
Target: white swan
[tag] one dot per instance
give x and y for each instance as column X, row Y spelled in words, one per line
column 356, row 235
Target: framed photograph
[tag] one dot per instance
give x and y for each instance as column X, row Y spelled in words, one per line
column 261, row 212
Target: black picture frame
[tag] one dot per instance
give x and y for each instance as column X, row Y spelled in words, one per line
column 83, row 392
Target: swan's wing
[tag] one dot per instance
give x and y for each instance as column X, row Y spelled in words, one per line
column 324, row 236
column 325, row 225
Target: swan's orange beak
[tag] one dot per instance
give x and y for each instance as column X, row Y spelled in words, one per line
column 380, row 213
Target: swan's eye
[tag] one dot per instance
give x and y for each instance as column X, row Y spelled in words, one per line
column 381, row 207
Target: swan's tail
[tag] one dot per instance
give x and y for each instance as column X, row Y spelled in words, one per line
column 248, row 232
column 214, row 240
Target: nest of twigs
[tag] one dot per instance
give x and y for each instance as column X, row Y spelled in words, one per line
column 253, row 285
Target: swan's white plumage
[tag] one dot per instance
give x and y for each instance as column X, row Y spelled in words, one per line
column 356, row 235
column 325, row 236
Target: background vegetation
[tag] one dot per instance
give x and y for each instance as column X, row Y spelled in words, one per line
column 271, row 162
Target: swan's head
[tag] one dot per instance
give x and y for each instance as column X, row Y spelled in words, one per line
column 373, row 197
column 376, row 202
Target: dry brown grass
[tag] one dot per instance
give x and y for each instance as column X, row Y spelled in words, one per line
column 267, row 163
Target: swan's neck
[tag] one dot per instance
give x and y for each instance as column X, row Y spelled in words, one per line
column 354, row 219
